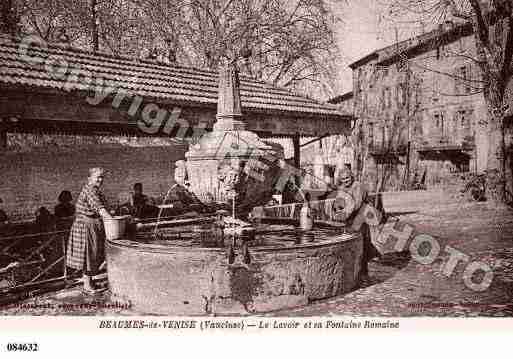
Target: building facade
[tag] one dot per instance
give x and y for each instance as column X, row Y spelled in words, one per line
column 421, row 111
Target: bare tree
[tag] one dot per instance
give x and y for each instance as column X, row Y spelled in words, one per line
column 492, row 23
column 95, row 24
column 287, row 43
column 9, row 17
column 50, row 18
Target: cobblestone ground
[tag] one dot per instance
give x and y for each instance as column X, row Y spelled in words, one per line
column 397, row 285
column 400, row 286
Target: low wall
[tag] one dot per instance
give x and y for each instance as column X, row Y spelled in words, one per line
column 406, row 201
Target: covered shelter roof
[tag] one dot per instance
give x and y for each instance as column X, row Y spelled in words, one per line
column 57, row 88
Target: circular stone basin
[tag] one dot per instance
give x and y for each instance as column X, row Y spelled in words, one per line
column 183, row 272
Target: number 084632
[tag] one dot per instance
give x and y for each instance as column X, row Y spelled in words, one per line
column 22, row 347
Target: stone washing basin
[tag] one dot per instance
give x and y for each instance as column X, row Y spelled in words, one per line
column 184, row 271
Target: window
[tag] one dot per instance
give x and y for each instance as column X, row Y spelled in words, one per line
column 465, row 74
column 371, row 133
column 464, row 166
column 463, row 119
column 461, row 44
column 498, row 32
column 359, row 80
column 442, row 123
column 404, row 86
column 436, row 88
column 418, row 125
column 439, row 122
column 463, row 79
column 455, row 125
column 386, row 97
column 401, row 94
column 384, row 133
column 364, row 101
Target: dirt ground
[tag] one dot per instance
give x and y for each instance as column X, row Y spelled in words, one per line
column 397, row 284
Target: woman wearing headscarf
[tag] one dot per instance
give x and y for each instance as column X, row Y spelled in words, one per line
column 87, row 236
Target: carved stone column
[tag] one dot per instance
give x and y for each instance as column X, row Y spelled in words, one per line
column 231, row 161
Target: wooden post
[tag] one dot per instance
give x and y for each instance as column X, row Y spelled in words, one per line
column 297, row 156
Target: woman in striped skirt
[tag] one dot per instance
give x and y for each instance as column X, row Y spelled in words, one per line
column 86, row 243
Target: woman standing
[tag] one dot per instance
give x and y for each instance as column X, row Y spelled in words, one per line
column 87, row 236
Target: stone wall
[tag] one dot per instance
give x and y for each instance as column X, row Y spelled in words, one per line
column 35, row 178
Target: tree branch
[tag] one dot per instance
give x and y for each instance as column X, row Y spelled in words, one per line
column 482, row 26
column 507, row 68
column 453, row 8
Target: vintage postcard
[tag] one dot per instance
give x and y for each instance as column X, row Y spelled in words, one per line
column 251, row 166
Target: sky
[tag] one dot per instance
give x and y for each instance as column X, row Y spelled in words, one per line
column 366, row 27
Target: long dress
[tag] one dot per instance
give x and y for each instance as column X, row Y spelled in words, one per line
column 86, row 245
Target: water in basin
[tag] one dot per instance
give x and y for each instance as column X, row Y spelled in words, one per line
column 267, row 235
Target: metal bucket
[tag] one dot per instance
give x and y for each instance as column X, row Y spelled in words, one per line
column 115, row 227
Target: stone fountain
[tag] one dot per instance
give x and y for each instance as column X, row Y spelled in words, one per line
column 232, row 163
column 196, row 267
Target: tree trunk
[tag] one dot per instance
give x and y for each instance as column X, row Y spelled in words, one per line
column 496, row 160
column 94, row 25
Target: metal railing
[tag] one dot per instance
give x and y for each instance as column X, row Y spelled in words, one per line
column 29, row 258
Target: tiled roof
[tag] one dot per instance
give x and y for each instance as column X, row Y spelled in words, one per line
column 146, row 78
column 445, row 34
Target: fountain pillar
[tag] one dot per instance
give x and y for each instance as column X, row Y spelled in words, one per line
column 232, row 162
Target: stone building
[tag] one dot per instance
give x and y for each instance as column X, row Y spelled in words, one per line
column 420, row 110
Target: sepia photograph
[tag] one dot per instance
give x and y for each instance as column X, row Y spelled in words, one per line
column 253, row 164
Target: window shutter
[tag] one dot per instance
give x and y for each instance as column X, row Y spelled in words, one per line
column 456, row 74
column 469, row 84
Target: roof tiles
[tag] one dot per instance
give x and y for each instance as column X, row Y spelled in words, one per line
column 167, row 82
